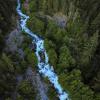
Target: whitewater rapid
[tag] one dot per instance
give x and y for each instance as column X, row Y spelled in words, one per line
column 43, row 66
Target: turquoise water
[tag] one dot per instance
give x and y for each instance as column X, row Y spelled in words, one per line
column 43, row 66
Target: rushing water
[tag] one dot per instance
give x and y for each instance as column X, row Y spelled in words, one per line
column 43, row 66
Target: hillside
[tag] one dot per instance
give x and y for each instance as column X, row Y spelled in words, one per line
column 71, row 33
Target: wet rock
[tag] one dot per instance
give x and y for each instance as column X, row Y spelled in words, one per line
column 42, row 56
column 33, row 47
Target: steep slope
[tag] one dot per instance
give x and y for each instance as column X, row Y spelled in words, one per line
column 72, row 30
column 7, row 18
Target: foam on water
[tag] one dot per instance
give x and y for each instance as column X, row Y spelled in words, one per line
column 43, row 66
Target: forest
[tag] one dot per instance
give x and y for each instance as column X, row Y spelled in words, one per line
column 71, row 33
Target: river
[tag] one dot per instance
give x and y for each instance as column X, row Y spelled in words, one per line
column 43, row 66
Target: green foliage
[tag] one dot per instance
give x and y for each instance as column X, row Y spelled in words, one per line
column 31, row 57
column 52, row 94
column 45, row 6
column 97, row 97
column 35, row 24
column 72, row 83
column 8, row 98
column 6, row 76
column 6, row 63
column 19, row 97
column 51, row 30
column 58, row 36
column 52, row 57
column 89, row 49
column 26, row 90
column 33, row 5
column 49, row 44
column 65, row 59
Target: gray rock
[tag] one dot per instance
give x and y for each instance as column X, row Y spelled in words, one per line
column 38, row 84
column 14, row 40
column 60, row 19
